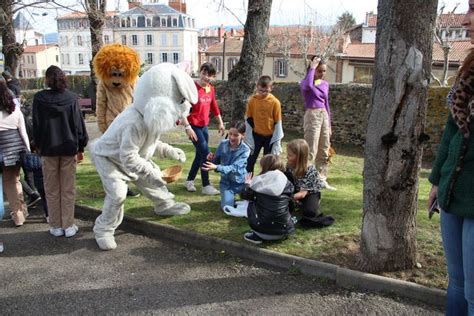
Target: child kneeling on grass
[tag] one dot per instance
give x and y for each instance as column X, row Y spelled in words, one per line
column 269, row 194
column 307, row 183
column 230, row 160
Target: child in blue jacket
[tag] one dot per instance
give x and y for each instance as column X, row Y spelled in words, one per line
column 230, row 160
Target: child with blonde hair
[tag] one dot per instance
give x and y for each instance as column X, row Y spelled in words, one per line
column 307, row 183
column 269, row 194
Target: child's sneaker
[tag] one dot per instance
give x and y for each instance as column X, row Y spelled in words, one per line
column 210, row 190
column 56, row 232
column 71, row 231
column 253, row 238
column 190, row 186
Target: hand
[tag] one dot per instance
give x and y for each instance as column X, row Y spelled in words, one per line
column 432, row 196
column 248, row 178
column 315, row 62
column 191, row 134
column 221, row 129
column 210, row 156
column 79, row 157
column 209, row 166
column 156, row 178
column 178, row 154
column 300, row 195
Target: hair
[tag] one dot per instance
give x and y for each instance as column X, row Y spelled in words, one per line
column 6, row 99
column 300, row 148
column 264, row 81
column 7, row 75
column 238, row 125
column 321, row 62
column 208, row 68
column 56, row 79
column 271, row 162
column 467, row 63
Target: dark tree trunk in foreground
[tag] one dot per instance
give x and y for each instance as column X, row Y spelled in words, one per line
column 393, row 146
column 97, row 18
column 11, row 50
column 244, row 75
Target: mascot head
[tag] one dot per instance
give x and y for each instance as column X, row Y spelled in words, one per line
column 163, row 94
column 117, row 65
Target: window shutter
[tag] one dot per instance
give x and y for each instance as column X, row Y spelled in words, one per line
column 285, row 65
column 275, row 68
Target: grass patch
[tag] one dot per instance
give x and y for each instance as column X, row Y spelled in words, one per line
column 338, row 244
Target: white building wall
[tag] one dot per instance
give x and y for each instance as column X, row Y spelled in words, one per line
column 368, row 35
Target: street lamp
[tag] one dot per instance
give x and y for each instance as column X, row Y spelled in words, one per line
column 223, row 56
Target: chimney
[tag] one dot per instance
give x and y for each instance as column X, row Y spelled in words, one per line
column 219, row 32
column 133, row 4
column 232, row 32
column 178, row 5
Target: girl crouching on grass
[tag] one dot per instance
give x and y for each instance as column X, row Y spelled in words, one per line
column 269, row 194
column 230, row 160
column 307, row 184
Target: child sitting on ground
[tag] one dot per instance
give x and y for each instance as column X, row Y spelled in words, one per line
column 230, row 161
column 307, row 184
column 269, row 194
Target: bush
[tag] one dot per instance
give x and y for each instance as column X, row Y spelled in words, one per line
column 78, row 84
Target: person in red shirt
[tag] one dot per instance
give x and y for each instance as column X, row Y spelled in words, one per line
column 196, row 126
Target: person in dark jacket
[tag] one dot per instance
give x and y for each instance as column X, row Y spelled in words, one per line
column 60, row 136
column 12, row 83
column 269, row 194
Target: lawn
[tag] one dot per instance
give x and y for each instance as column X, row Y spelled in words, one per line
column 337, row 244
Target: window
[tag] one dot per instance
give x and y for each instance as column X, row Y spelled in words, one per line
column 134, row 22
column 164, row 40
column 164, row 57
column 231, row 62
column 67, row 61
column 175, row 39
column 128, row 22
column 57, row 58
column 32, row 59
column 149, row 58
column 79, row 40
column 135, row 40
column 124, row 39
column 281, row 68
column 175, row 58
column 106, row 39
column 80, row 59
column 149, row 39
column 175, row 22
column 123, row 23
column 216, row 61
column 163, row 22
column 363, row 74
column 149, row 22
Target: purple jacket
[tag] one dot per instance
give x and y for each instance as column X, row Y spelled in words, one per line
column 315, row 97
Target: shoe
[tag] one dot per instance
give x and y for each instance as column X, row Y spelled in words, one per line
column 2, row 247
column 326, row 185
column 71, row 231
column 189, row 184
column 56, row 232
column 253, row 238
column 47, row 219
column 33, row 200
column 210, row 190
column 133, row 193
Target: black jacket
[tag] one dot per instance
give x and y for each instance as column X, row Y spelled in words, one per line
column 14, row 86
column 58, row 125
column 268, row 212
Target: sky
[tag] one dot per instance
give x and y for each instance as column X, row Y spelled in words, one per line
column 207, row 12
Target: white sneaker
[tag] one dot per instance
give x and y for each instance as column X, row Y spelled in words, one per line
column 190, row 186
column 56, row 232
column 2, row 248
column 71, row 231
column 326, row 185
column 210, row 190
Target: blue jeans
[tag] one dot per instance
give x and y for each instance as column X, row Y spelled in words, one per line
column 202, row 149
column 458, row 241
column 228, row 192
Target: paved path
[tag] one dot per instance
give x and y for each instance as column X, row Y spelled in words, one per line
column 41, row 274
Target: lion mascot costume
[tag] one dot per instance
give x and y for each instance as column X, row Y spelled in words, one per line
column 117, row 67
column 162, row 96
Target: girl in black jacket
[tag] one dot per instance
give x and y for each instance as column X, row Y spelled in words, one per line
column 269, row 194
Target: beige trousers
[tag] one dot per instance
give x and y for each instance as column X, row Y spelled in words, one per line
column 59, row 174
column 316, row 133
column 14, row 193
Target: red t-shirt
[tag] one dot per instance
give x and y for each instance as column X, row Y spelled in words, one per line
column 206, row 103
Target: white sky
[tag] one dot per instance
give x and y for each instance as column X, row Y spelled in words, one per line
column 206, row 12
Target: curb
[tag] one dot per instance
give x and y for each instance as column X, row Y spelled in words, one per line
column 343, row 277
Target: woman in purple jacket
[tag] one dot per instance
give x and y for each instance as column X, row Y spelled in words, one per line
column 317, row 117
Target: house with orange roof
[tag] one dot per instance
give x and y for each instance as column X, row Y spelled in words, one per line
column 37, row 58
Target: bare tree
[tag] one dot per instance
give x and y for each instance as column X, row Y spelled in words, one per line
column 394, row 134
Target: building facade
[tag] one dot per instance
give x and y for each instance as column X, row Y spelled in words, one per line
column 36, row 59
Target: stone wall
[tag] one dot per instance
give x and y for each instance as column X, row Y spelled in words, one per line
column 349, row 104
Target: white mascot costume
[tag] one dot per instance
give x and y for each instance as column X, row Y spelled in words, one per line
column 162, row 96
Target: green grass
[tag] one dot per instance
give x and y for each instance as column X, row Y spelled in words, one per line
column 336, row 244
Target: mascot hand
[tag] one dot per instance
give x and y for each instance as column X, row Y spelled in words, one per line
column 276, row 148
column 156, row 179
column 178, row 154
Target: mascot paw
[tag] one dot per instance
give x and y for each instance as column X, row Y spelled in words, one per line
column 178, row 208
column 179, row 155
column 106, row 243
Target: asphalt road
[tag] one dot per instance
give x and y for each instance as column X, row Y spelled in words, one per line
column 46, row 275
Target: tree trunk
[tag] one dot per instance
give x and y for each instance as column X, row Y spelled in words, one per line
column 96, row 14
column 394, row 134
column 11, row 50
column 446, row 49
column 244, row 75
